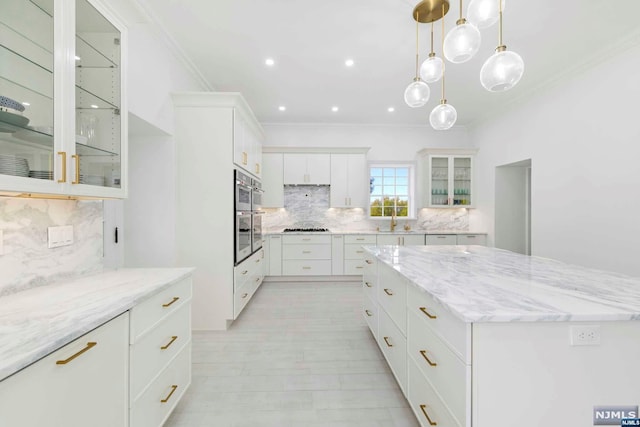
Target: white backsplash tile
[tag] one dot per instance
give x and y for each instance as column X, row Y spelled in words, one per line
column 27, row 261
column 308, row 206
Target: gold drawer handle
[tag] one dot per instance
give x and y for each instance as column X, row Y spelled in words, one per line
column 173, row 389
column 244, row 295
column 424, row 354
column 245, row 272
column 368, row 313
column 388, row 291
column 76, row 179
column 173, row 338
column 257, row 279
column 172, row 301
column 368, row 261
column 386, row 339
column 359, row 267
column 423, row 408
column 258, row 260
column 306, row 268
column 88, row 347
column 360, row 238
column 306, row 252
column 369, row 285
column 359, row 252
column 244, row 158
column 63, row 174
column 429, row 315
column 306, row 239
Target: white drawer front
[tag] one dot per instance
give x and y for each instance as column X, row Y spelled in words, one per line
column 154, row 351
column 472, row 239
column 370, row 313
column 440, row 239
column 354, row 252
column 370, row 266
column 306, row 252
column 360, row 239
column 394, row 347
column 154, row 406
column 144, row 316
column 242, row 296
column 353, row 266
column 444, row 370
column 389, row 239
column 369, row 288
column 392, row 296
column 241, row 274
column 425, row 403
column 306, row 268
column 446, row 326
column 306, row 239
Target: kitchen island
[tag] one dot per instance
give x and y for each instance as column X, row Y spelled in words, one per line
column 484, row 337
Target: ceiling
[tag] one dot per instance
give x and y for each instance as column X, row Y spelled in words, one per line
column 229, row 40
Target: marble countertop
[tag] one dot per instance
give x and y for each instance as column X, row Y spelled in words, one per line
column 38, row 321
column 481, row 284
column 399, row 231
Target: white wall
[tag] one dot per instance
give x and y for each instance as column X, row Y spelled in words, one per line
column 388, row 143
column 583, row 138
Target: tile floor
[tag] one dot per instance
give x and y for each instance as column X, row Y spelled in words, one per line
column 299, row 355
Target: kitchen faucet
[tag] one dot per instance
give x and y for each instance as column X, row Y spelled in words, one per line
column 393, row 224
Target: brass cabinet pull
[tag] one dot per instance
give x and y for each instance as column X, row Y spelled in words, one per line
column 359, row 252
column 368, row 313
column 386, row 339
column 173, row 389
column 424, row 354
column 306, row 239
column 423, row 408
column 63, row 174
column 171, row 302
column 388, row 291
column 306, row 268
column 306, row 252
column 429, row 315
column 244, row 158
column 244, row 272
column 368, row 285
column 257, row 167
column 368, row 261
column 258, row 260
column 244, row 295
column 359, row 267
column 173, row 338
column 441, row 237
column 360, row 238
column 76, row 179
column 257, row 279
column 88, row 347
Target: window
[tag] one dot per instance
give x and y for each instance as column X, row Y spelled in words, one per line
column 391, row 189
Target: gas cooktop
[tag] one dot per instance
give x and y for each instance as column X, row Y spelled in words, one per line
column 305, row 230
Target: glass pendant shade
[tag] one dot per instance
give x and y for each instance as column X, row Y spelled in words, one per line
column 462, row 43
column 417, row 93
column 431, row 69
column 501, row 71
column 443, row 116
column 483, row 13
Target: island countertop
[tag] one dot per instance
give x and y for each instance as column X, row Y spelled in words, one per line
column 38, row 321
column 481, row 284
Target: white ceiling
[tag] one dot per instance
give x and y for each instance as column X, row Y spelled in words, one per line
column 229, row 40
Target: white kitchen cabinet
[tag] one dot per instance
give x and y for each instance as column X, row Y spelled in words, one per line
column 400, row 239
column 70, row 141
column 447, row 178
column 337, row 255
column 471, row 239
column 272, row 180
column 354, row 253
column 307, row 168
column 441, row 239
column 349, row 181
column 247, row 144
column 275, row 255
column 83, row 383
column 247, row 278
column 306, row 255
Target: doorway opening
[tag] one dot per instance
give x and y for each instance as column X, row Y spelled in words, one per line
column 513, row 207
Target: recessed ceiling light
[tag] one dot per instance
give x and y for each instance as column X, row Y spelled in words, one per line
column 349, row 62
column 334, row 109
column 391, row 109
column 269, row 62
column 282, row 108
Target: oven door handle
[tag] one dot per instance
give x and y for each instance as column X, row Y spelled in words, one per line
column 242, row 213
column 258, row 212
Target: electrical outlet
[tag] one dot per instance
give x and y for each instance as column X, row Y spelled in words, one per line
column 60, row 236
column 585, row 335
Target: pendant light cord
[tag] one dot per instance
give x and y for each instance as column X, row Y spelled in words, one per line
column 500, row 26
column 417, row 55
column 443, row 62
column 460, row 10
column 432, row 38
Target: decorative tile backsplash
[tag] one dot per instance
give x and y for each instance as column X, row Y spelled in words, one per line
column 308, row 206
column 27, row 262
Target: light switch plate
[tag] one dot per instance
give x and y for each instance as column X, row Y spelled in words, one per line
column 60, row 236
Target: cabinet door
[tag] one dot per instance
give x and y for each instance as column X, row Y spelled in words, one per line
column 337, row 254
column 319, row 169
column 295, row 169
column 440, row 239
column 256, row 145
column 413, row 239
column 273, row 180
column 84, row 383
column 439, row 175
column 339, row 197
column 461, row 190
column 388, row 239
column 358, row 181
column 275, row 255
column 240, row 155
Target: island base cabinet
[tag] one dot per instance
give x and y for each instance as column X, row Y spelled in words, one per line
column 158, row 401
column 528, row 374
column 425, row 403
column 394, row 347
column 82, row 384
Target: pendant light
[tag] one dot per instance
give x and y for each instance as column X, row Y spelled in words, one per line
column 504, row 69
column 483, row 13
column 443, row 116
column 417, row 93
column 462, row 42
column 431, row 68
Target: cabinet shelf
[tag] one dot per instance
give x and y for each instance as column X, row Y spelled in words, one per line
column 89, row 98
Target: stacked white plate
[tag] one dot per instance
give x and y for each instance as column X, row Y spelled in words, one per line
column 13, row 165
column 92, row 180
column 41, row 174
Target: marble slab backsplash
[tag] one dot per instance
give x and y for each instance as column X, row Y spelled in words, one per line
column 308, row 206
column 27, row 262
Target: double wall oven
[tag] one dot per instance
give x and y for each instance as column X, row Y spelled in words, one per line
column 248, row 216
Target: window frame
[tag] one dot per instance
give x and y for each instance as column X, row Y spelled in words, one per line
column 412, row 202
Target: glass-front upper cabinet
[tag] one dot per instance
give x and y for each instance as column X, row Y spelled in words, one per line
column 448, row 178
column 62, row 126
